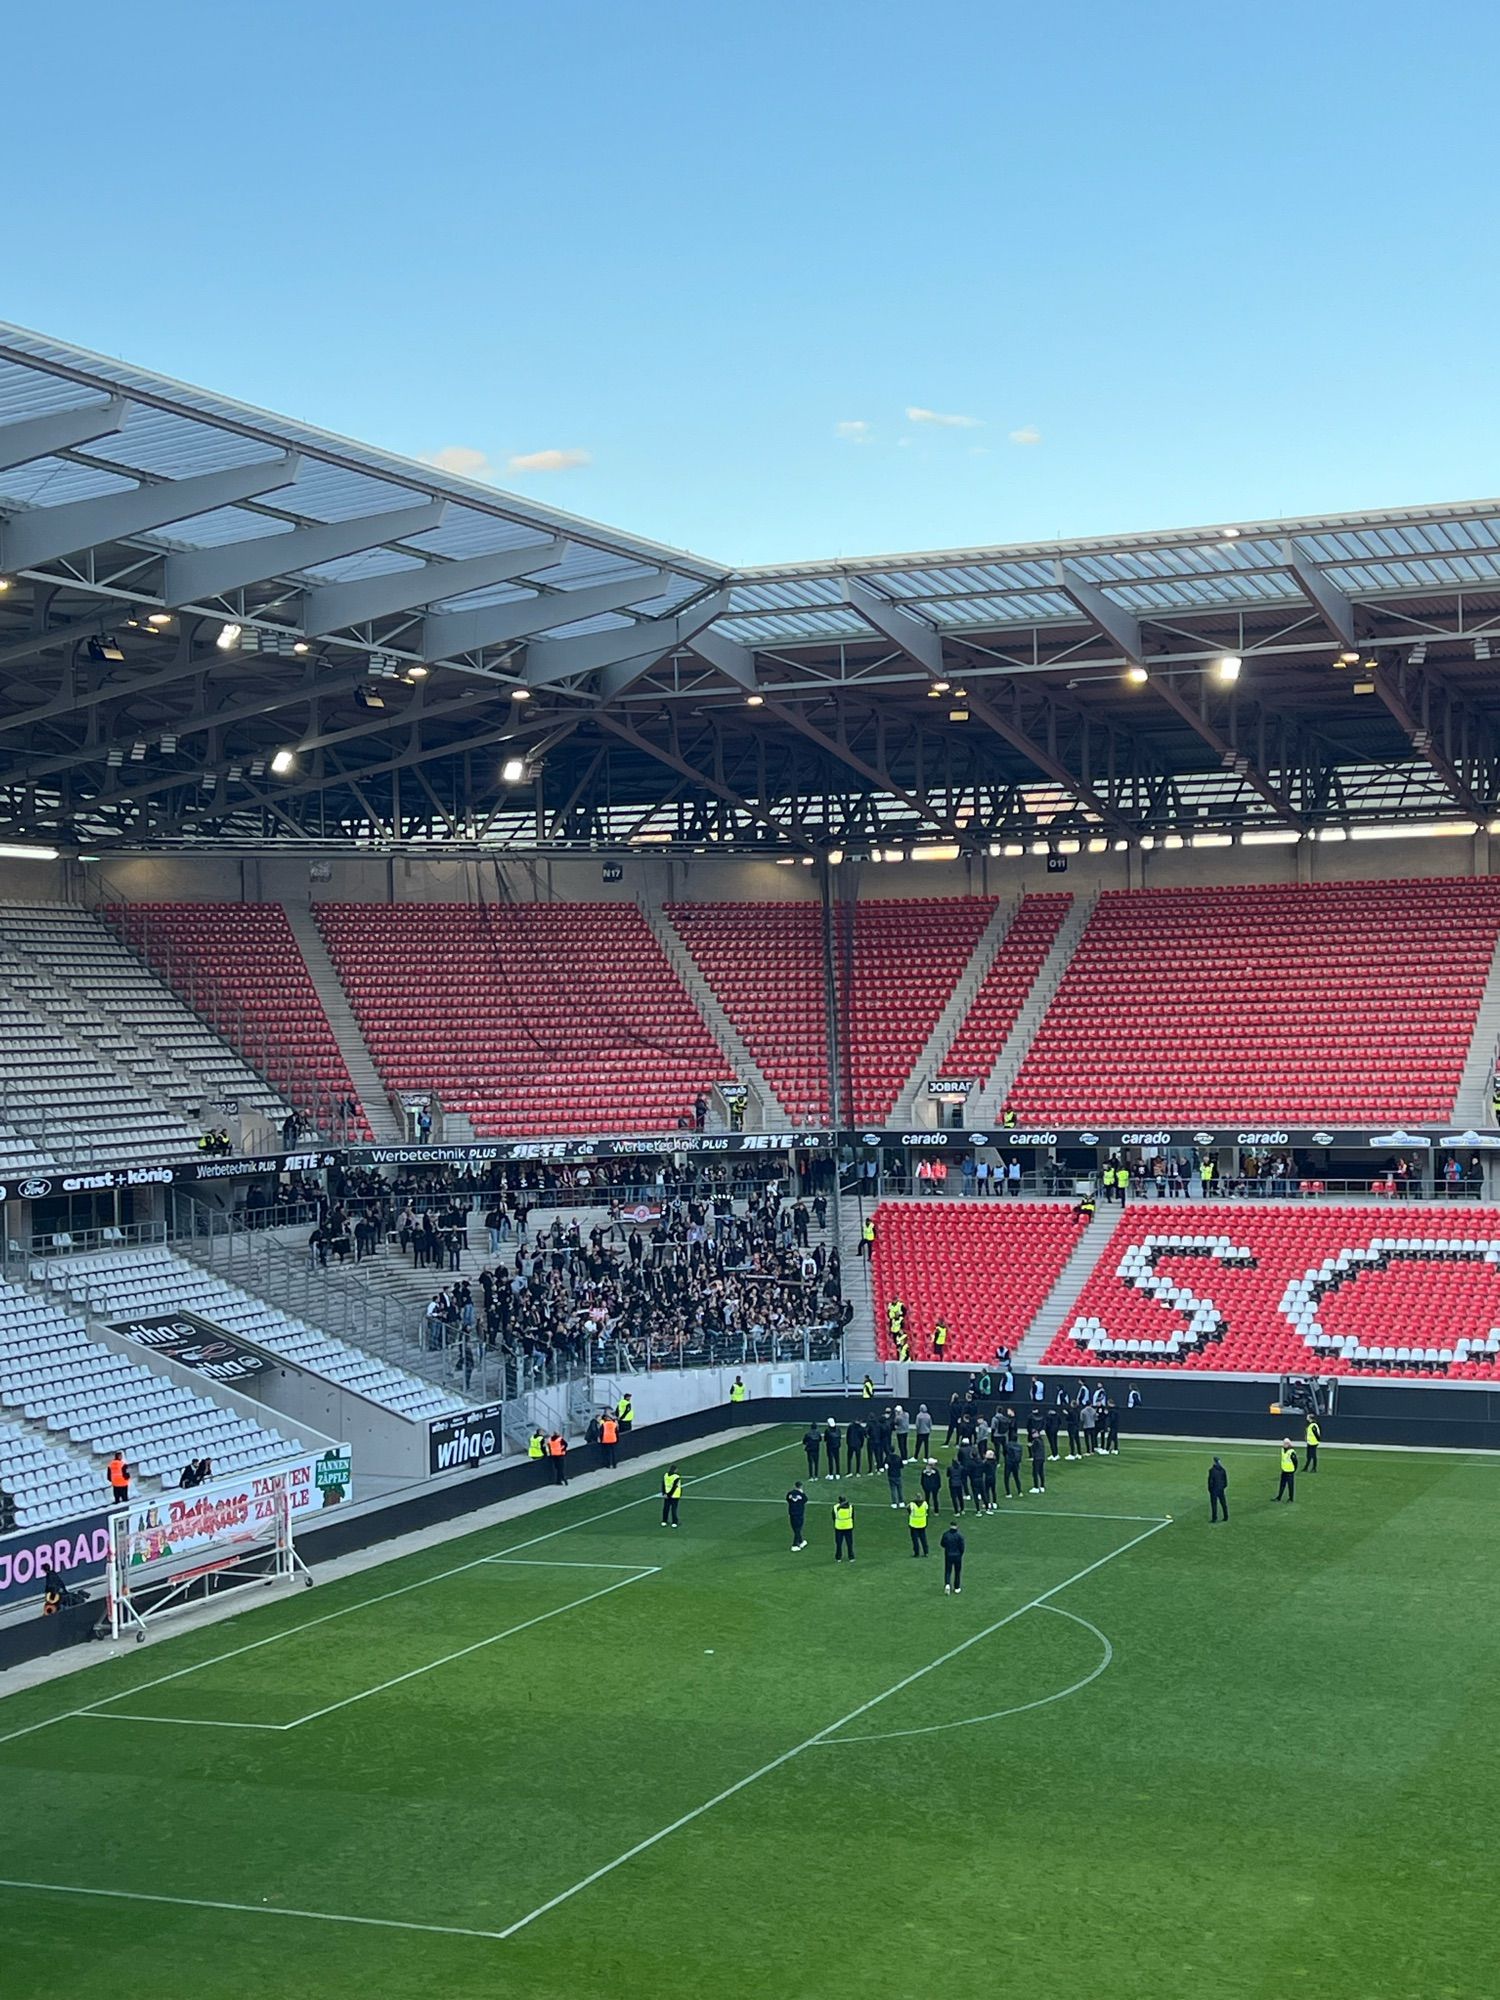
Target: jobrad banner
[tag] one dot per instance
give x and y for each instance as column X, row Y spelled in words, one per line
column 76, row 1549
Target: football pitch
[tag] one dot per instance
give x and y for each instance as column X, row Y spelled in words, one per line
column 578, row 1753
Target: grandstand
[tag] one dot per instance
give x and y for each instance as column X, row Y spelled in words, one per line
column 462, row 964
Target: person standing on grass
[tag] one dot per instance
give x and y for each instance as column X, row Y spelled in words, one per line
column 1112, row 1430
column 796, row 1513
column 1012, row 1464
column 916, row 1521
column 989, row 1476
column 1038, row 1463
column 832, row 1440
column 955, row 1405
column 1287, row 1489
column 1312, row 1438
column 671, row 1496
column 1072, row 1418
column 922, row 1425
column 956, row 1486
column 1218, row 1491
column 812, row 1444
column 1050, row 1424
column 952, row 1545
column 1088, row 1417
column 843, row 1529
column 901, row 1426
column 893, row 1477
column 932, row 1485
column 854, row 1438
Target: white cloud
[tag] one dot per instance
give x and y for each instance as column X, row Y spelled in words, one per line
column 979, row 451
column 947, row 422
column 547, row 461
column 464, row 459
column 854, row 430
column 1027, row 434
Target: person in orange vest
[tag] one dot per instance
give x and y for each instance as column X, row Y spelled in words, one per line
column 557, row 1452
column 118, row 1474
column 609, row 1438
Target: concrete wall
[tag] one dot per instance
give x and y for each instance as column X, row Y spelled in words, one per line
column 712, row 878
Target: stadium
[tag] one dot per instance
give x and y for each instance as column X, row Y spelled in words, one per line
column 496, row 1005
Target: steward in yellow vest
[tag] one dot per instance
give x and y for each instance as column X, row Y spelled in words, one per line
column 916, row 1520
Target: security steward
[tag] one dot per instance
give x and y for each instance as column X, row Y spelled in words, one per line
column 609, row 1437
column 916, row 1520
column 796, row 1513
column 952, row 1546
column 867, row 1389
column 895, row 1318
column 117, row 1472
column 843, row 1529
column 536, row 1448
column 671, row 1496
column 1312, row 1438
column 738, row 1393
column 1287, row 1489
column 940, row 1341
column 867, row 1237
column 625, row 1412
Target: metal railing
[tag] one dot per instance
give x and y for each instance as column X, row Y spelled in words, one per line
column 823, row 1342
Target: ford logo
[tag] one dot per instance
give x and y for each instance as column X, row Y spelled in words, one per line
column 979, row 1138
column 34, row 1190
column 1088, row 1138
column 1203, row 1138
column 1322, row 1138
column 872, row 1138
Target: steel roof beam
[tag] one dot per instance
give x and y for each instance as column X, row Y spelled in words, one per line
column 735, row 662
column 1052, row 767
column 446, row 633
column 841, row 753
column 60, row 430
column 1121, row 627
column 42, row 533
column 1337, row 610
column 664, row 755
column 1416, row 729
column 667, row 635
column 199, row 575
column 919, row 641
column 329, row 607
column 1231, row 758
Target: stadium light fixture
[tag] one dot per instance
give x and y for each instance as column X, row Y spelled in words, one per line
column 835, row 857
column 4, row 583
column 1173, row 840
column 513, row 770
column 301, row 646
column 229, row 637
column 416, row 673
column 895, row 854
column 10, row 852
column 807, row 861
column 114, row 757
column 1137, row 676
column 1213, row 840
column 755, row 701
column 994, row 850
column 1349, row 657
column 158, row 618
column 1227, row 667
column 941, row 687
column 169, row 746
column 946, row 850
column 283, row 762
column 1231, row 534
column 520, row 694
column 786, row 861
column 1013, row 850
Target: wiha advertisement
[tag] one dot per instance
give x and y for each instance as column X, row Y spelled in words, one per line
column 194, row 1343
column 467, row 1438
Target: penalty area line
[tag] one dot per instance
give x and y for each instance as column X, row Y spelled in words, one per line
column 245, row 1909
column 820, row 1736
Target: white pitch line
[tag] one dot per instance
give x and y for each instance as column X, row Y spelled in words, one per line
column 380, row 1597
column 478, row 1646
column 1032, row 1514
column 246, row 1909
column 177, row 1721
column 754, row 1777
column 997, row 1714
column 546, row 1562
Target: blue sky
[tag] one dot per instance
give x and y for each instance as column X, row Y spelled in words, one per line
column 1169, row 264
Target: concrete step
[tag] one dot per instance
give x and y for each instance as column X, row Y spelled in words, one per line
column 986, row 1109
column 363, row 1074
column 741, row 1063
column 1472, row 1109
column 930, row 1062
column 1063, row 1297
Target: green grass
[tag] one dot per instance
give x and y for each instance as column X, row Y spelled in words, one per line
column 1284, row 1780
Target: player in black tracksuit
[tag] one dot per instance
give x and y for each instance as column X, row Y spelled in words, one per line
column 1012, row 1465
column 1038, row 1463
column 854, row 1439
column 796, row 1510
column 1052, row 1421
column 956, row 1486
column 812, row 1444
column 832, row 1439
column 1075, row 1445
column 953, row 1559
column 932, row 1485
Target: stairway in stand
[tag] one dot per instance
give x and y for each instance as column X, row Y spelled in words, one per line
column 360, row 1064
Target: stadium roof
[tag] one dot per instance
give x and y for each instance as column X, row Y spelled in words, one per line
column 220, row 627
